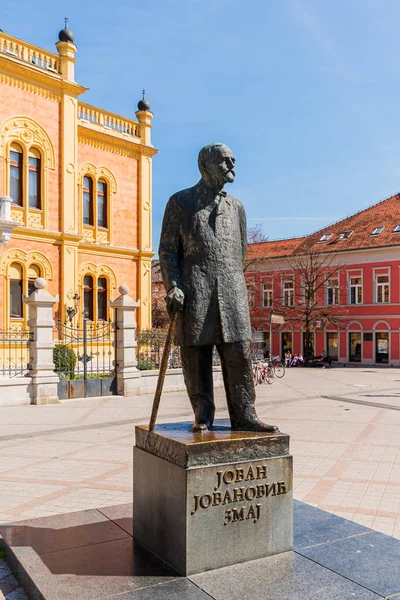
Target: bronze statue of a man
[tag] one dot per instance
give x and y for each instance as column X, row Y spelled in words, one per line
column 203, row 244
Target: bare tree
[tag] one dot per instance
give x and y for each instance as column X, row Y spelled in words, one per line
column 159, row 315
column 255, row 235
column 311, row 293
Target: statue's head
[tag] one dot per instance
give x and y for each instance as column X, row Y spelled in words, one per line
column 216, row 165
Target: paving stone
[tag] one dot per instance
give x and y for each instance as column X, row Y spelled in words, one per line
column 94, row 571
column 17, row 594
column 60, row 532
column 174, row 590
column 314, row 526
column 287, row 576
column 6, row 588
column 121, row 514
column 371, row 560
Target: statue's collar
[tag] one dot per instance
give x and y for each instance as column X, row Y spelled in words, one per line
column 207, row 195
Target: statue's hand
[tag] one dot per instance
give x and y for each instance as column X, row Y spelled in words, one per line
column 175, row 299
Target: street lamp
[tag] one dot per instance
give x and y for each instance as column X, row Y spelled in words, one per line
column 72, row 310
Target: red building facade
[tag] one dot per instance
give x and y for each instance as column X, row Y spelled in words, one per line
column 359, row 302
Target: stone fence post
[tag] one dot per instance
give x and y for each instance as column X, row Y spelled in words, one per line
column 41, row 324
column 128, row 376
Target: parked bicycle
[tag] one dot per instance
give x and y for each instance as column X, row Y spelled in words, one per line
column 277, row 366
column 263, row 372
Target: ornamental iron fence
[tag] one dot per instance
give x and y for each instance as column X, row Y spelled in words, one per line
column 150, row 348
column 84, row 358
column 14, row 353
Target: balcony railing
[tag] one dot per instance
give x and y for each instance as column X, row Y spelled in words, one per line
column 96, row 116
column 29, row 54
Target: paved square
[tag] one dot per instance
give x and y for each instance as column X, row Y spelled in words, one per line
column 344, row 425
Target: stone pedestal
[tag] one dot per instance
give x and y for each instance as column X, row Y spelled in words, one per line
column 41, row 324
column 128, row 376
column 202, row 502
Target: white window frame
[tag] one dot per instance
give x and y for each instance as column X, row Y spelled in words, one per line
column 267, row 289
column 382, row 285
column 336, row 295
column 286, row 295
column 357, row 287
column 378, row 230
column 251, row 294
column 325, row 238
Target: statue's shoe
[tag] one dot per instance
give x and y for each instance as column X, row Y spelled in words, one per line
column 255, row 425
column 199, row 427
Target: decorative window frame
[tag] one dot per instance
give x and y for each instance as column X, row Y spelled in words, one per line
column 269, row 281
column 93, row 234
column 96, row 271
column 251, row 292
column 355, row 273
column 28, row 134
column 290, row 280
column 25, row 260
column 377, row 272
column 327, row 287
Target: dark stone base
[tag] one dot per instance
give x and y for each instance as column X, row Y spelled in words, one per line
column 205, row 501
column 91, row 555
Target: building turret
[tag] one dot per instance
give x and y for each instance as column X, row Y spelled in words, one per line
column 66, row 50
column 144, row 116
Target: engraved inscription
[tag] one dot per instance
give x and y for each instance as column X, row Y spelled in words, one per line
column 243, row 493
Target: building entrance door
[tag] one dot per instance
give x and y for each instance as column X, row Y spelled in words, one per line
column 382, row 347
column 355, row 346
column 332, row 344
column 287, row 343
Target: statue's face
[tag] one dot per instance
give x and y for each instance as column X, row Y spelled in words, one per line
column 218, row 169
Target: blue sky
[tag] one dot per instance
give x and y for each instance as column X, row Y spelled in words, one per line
column 306, row 93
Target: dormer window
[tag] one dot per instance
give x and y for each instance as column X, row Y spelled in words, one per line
column 378, row 230
column 346, row 234
column 325, row 237
column 396, row 229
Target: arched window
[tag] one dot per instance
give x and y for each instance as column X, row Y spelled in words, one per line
column 34, row 185
column 16, row 162
column 88, row 201
column 33, row 274
column 88, row 296
column 16, row 282
column 102, row 299
column 101, row 203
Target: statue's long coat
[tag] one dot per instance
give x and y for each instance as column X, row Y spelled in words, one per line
column 203, row 244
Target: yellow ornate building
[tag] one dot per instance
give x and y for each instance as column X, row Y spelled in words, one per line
column 80, row 182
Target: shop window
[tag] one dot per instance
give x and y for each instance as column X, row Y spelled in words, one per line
column 101, row 203
column 102, row 299
column 286, row 342
column 355, row 347
column 88, row 201
column 88, row 297
column 382, row 347
column 16, row 162
column 34, row 185
column 332, row 344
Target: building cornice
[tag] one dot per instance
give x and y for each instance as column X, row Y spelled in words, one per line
column 112, row 251
column 36, row 80
column 111, row 143
column 36, row 235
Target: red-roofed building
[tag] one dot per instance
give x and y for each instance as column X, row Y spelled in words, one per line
column 365, row 292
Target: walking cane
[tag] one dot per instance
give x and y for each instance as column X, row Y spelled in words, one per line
column 163, row 369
